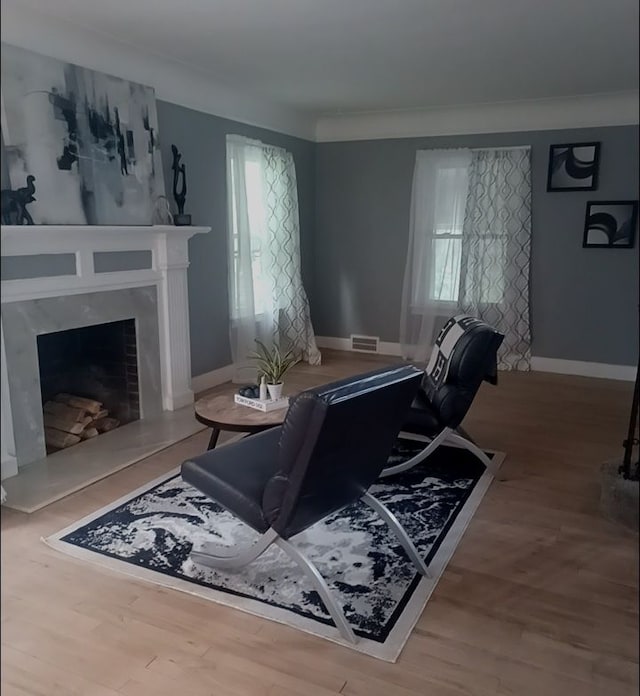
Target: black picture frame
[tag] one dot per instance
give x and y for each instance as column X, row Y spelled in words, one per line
column 610, row 224
column 573, row 167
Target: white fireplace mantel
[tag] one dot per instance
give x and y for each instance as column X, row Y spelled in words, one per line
column 167, row 244
column 168, row 260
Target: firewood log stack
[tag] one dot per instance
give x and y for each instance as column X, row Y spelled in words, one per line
column 69, row 419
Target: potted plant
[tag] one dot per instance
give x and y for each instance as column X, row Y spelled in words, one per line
column 272, row 365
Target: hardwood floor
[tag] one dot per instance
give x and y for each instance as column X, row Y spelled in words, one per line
column 540, row 598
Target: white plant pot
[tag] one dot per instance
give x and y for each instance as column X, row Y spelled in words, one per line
column 275, row 391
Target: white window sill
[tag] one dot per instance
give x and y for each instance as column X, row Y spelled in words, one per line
column 438, row 305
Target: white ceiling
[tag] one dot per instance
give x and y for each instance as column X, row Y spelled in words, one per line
column 342, row 56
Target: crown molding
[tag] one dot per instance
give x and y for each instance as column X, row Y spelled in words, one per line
column 173, row 82
column 188, row 86
column 614, row 109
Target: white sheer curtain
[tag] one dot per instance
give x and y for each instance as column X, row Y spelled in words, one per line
column 469, row 248
column 494, row 269
column 432, row 272
column 267, row 300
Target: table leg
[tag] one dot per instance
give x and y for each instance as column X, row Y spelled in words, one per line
column 213, row 440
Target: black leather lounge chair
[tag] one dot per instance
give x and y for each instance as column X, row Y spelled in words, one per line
column 332, row 446
column 449, row 385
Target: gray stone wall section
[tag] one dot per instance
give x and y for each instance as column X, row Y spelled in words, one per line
column 23, row 321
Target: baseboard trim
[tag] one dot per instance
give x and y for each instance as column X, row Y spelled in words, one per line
column 336, row 343
column 626, row 373
column 201, row 383
column 333, row 343
column 579, row 368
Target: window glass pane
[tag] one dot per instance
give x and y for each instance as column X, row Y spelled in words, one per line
column 450, row 200
column 446, row 237
column 257, row 226
column 446, row 269
column 235, row 298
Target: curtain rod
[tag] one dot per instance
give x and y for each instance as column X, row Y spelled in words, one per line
column 513, row 147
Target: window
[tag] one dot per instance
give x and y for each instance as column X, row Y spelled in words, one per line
column 247, row 198
column 446, row 255
column 442, row 182
column 440, row 192
column 469, row 242
column 445, row 251
column 267, row 301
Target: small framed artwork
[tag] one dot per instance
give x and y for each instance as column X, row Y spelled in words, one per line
column 573, row 167
column 610, row 224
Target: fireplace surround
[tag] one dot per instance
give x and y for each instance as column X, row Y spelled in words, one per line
column 56, row 278
column 24, row 320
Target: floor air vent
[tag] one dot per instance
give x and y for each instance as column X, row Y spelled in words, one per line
column 364, row 344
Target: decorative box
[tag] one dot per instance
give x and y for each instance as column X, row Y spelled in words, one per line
column 265, row 405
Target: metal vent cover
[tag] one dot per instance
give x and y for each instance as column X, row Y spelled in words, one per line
column 364, row 344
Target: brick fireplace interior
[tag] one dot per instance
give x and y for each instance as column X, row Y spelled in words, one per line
column 95, row 362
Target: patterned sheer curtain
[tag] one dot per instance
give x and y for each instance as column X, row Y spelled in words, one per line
column 496, row 238
column 266, row 296
column 290, row 302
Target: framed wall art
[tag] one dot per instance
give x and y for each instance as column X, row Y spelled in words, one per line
column 610, row 224
column 573, row 167
column 87, row 141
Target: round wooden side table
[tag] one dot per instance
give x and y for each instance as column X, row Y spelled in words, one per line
column 220, row 413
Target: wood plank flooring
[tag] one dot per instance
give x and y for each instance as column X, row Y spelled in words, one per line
column 540, row 598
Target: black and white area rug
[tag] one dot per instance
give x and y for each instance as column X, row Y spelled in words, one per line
column 149, row 533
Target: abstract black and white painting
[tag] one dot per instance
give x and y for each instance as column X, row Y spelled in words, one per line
column 610, row 224
column 90, row 140
column 573, row 167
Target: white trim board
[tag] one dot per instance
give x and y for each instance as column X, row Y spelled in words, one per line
column 588, row 111
column 580, row 368
column 188, row 86
column 626, row 373
column 336, row 343
column 201, row 383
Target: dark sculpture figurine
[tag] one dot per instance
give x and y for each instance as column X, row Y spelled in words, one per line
column 14, row 204
column 180, row 193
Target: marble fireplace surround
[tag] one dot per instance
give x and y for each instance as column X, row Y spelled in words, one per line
column 24, row 321
column 87, row 275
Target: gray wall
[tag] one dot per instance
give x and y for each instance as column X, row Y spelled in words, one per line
column 354, row 217
column 200, row 138
column 584, row 302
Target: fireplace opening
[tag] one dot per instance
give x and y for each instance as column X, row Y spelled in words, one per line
column 88, row 381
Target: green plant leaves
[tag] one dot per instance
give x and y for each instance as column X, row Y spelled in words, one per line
column 271, row 363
